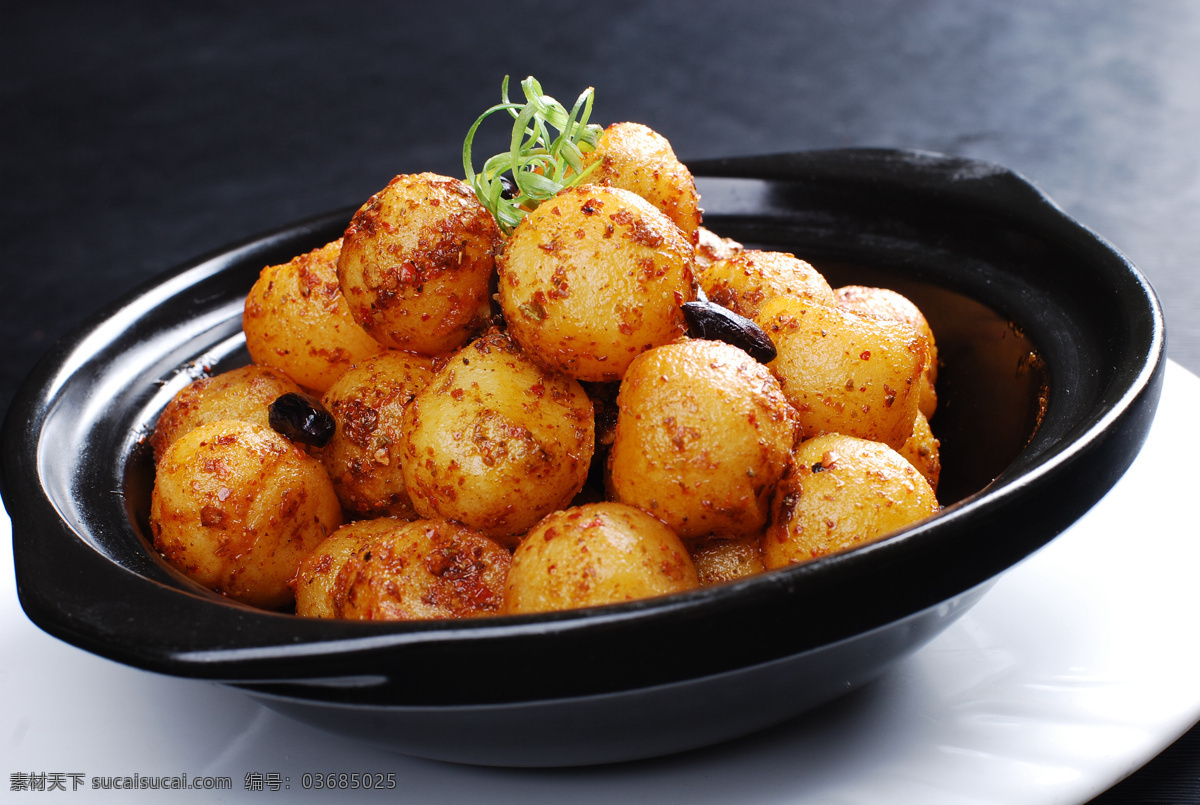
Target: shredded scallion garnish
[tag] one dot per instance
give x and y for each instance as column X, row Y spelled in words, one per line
column 513, row 183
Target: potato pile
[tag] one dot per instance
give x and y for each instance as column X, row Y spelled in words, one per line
column 569, row 446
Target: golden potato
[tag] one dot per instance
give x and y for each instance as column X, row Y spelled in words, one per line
column 747, row 280
column 495, row 441
column 601, row 553
column 843, row 492
column 721, row 559
column 388, row 569
column 845, row 373
column 889, row 304
column 297, row 321
column 363, row 457
column 236, row 507
column 245, row 393
column 416, row 262
column 923, row 451
column 592, row 278
column 636, row 158
column 315, row 582
column 704, row 433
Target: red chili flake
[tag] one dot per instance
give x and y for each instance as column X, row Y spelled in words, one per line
column 211, row 516
column 866, row 355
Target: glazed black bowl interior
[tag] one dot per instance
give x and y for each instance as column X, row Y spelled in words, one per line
column 1052, row 359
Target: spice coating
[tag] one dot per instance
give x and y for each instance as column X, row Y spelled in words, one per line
column 593, row 278
column 386, row 569
column 237, row 507
column 704, row 433
column 243, row 393
column 297, row 320
column 842, row 493
column 363, row 457
column 845, row 373
column 416, row 262
column 495, row 441
column 600, row 553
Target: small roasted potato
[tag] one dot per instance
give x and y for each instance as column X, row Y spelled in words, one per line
column 704, row 432
column 388, row 569
column 843, row 492
column 297, row 321
column 600, row 553
column 244, row 393
column 315, row 582
column 495, row 441
column 363, row 457
column 636, row 158
column 748, row 279
column 236, row 507
column 416, row 263
column 845, row 373
column 593, row 278
column 889, row 304
column 720, row 559
column 923, row 451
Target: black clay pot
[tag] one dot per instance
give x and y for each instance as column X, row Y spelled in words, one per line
column 1052, row 346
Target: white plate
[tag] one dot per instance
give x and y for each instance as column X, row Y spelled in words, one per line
column 1075, row 669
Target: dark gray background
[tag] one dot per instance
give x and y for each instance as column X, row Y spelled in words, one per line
column 137, row 137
